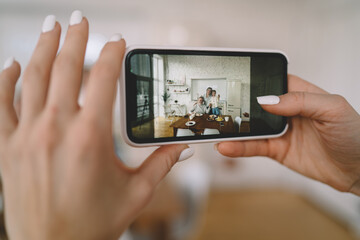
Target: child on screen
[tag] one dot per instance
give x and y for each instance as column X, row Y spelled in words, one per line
column 214, row 102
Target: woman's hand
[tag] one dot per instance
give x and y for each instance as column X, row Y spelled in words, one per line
column 61, row 177
column 323, row 140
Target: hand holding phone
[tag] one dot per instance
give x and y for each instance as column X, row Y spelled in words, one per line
column 323, row 141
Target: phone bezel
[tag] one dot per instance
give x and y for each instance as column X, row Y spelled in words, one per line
column 185, row 140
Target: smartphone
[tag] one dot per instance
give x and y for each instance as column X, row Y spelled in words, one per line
column 192, row 95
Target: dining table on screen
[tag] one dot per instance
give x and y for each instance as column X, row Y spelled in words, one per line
column 204, row 121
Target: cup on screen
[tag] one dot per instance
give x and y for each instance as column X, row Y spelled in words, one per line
column 226, row 119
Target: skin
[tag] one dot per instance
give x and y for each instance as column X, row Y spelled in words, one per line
column 213, row 93
column 208, row 92
column 200, row 101
column 61, row 177
column 323, row 139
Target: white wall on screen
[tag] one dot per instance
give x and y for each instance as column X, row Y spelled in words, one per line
column 215, row 69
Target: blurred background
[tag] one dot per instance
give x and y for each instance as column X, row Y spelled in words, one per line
column 210, row 196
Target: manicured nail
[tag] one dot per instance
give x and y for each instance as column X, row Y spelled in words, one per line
column 49, row 23
column 268, row 100
column 116, row 37
column 76, row 17
column 8, row 62
column 186, row 153
column 216, row 145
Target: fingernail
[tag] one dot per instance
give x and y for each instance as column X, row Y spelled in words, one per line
column 76, row 17
column 49, row 23
column 186, row 153
column 116, row 37
column 8, row 62
column 268, row 100
column 216, row 145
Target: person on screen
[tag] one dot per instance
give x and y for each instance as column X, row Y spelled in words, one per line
column 207, row 96
column 200, row 107
column 214, row 103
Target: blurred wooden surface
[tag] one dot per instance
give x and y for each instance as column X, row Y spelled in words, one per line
column 156, row 220
column 267, row 215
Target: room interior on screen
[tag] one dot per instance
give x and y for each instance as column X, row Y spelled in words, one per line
column 169, row 88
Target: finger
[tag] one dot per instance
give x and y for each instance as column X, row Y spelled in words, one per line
column 101, row 87
column 243, row 149
column 316, row 106
column 67, row 70
column 8, row 79
column 273, row 148
column 37, row 74
column 296, row 84
column 160, row 162
column 283, row 105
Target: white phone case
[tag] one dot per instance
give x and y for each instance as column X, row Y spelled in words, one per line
column 220, row 139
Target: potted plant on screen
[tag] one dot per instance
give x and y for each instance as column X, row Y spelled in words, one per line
column 166, row 96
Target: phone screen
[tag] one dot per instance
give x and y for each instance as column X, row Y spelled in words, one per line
column 174, row 95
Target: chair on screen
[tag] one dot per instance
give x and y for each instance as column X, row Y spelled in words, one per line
column 210, row 131
column 169, row 113
column 237, row 124
column 184, row 132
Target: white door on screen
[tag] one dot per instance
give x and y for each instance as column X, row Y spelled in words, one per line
column 233, row 112
column 233, row 93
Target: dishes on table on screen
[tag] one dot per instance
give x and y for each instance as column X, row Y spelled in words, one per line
column 219, row 119
column 211, row 118
column 198, row 114
column 190, row 123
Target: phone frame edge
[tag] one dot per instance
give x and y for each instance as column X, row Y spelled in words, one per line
column 122, row 98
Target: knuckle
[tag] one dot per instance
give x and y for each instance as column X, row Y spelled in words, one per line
column 6, row 88
column 168, row 163
column 85, row 140
column 340, row 100
column 65, row 61
column 45, row 138
column 94, row 121
column 299, row 97
column 88, row 136
column 341, row 106
column 102, row 69
column 52, row 112
column 93, row 125
column 34, row 72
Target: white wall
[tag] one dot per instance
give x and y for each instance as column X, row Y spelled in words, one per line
column 209, row 67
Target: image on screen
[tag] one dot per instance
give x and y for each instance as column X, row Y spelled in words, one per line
column 189, row 95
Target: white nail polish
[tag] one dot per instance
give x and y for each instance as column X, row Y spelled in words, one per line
column 9, row 62
column 268, row 100
column 186, row 153
column 49, row 23
column 116, row 37
column 76, row 17
column 216, row 146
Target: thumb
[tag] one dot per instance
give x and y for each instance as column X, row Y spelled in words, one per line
column 316, row 106
column 160, row 162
